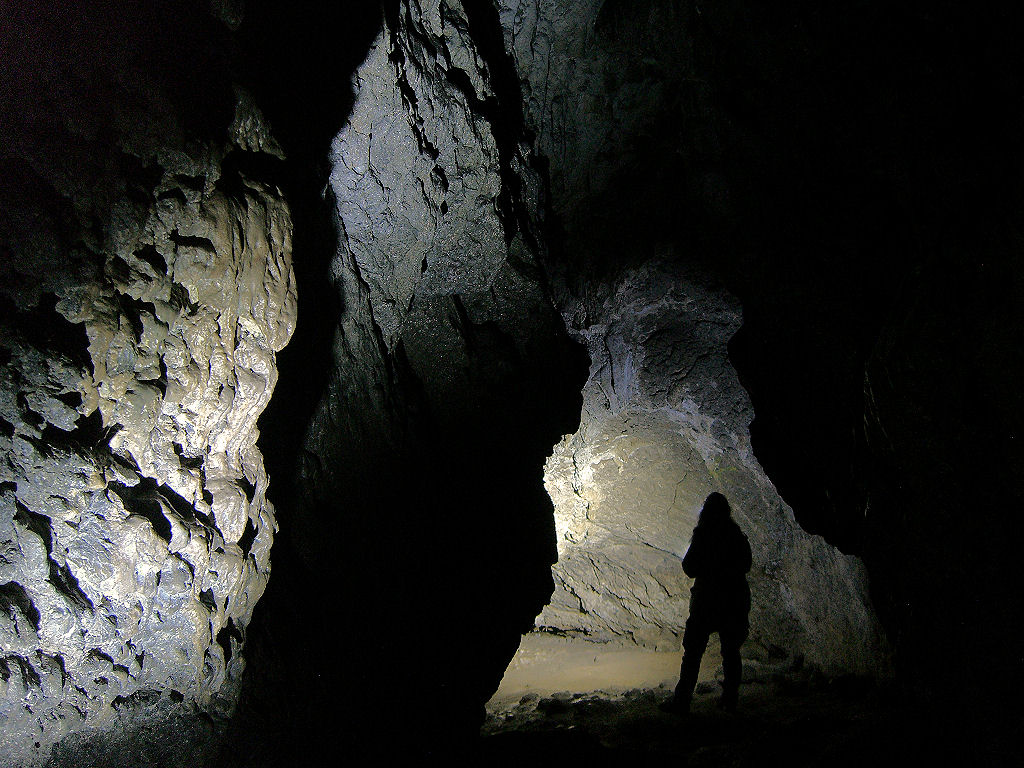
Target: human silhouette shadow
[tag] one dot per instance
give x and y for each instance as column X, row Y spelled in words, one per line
column 718, row 559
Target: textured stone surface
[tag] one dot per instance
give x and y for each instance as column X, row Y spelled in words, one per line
column 146, row 285
column 617, row 103
column 452, row 375
column 613, row 94
column 665, row 423
column 583, row 104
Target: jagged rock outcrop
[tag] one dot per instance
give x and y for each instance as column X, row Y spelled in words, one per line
column 665, row 423
column 146, row 286
column 453, row 374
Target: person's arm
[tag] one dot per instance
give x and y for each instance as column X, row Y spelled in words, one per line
column 692, row 558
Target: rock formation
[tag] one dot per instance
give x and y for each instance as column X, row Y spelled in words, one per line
column 792, row 262
column 614, row 95
column 452, row 375
column 861, row 207
column 146, row 289
column 665, row 423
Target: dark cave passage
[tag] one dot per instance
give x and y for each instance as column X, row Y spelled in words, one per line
column 348, row 348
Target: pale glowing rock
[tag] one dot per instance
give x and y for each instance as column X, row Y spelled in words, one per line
column 133, row 517
column 665, row 423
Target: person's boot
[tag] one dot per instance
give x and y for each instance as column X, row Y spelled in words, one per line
column 677, row 705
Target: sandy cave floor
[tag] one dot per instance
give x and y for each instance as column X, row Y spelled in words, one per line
column 587, row 704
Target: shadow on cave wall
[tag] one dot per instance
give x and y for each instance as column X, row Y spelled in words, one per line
column 298, row 58
column 884, row 194
column 81, row 90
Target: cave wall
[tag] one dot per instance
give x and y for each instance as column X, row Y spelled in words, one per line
column 528, row 165
column 620, row 106
column 453, row 376
column 853, row 177
column 146, row 286
column 665, row 422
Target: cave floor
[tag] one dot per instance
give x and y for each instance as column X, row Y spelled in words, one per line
column 548, row 665
column 573, row 703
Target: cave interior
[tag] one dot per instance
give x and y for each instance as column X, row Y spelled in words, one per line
column 453, row 312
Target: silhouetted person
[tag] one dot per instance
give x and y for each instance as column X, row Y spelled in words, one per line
column 718, row 559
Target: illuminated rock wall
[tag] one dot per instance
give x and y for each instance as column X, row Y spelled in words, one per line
column 452, row 376
column 616, row 97
column 664, row 424
column 146, row 287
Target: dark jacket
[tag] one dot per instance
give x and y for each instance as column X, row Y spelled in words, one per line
column 718, row 560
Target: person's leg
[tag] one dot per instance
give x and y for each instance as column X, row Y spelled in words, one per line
column 732, row 667
column 695, row 640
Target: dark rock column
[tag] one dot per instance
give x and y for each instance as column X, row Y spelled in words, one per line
column 422, row 501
